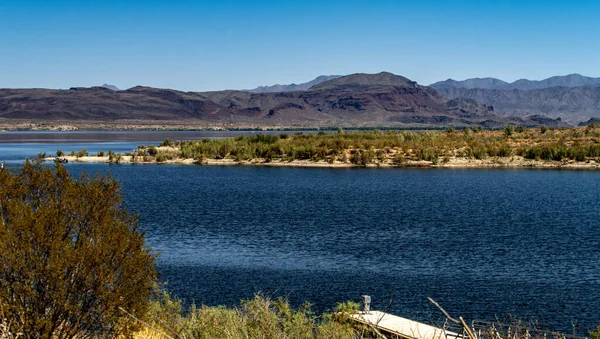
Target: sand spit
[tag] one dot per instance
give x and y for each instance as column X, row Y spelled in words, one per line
column 499, row 162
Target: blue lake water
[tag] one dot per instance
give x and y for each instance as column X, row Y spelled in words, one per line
column 483, row 243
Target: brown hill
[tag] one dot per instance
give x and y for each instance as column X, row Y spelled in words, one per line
column 382, row 99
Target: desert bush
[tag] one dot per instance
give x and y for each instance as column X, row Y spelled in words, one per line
column 162, row 156
column 152, row 151
column 467, row 132
column 71, row 258
column 60, row 153
column 167, row 143
column 83, row 153
column 426, row 154
column 595, row 333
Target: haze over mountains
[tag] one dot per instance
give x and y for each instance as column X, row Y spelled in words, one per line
column 293, row 87
column 571, row 80
column 382, row 99
column 574, row 98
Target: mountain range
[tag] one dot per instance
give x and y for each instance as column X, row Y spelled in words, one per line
column 574, row 98
column 293, row 87
column 382, row 99
column 571, row 80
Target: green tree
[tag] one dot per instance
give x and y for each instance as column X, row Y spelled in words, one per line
column 509, row 130
column 71, row 257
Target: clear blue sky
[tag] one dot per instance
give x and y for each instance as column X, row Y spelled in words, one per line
column 227, row 44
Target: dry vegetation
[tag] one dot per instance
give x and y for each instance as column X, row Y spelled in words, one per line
column 511, row 147
column 259, row 317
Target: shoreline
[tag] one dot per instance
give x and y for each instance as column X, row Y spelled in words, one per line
column 515, row 162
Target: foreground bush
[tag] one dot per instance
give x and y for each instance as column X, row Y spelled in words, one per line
column 259, row 317
column 71, row 258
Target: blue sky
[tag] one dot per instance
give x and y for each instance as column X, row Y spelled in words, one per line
column 228, row 44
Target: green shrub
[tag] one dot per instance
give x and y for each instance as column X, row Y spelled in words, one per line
column 259, row 317
column 427, row 154
column 505, row 152
column 71, row 258
column 83, row 153
column 162, row 156
column 595, row 334
column 59, row 153
column 152, row 151
column 101, row 154
column 167, row 143
column 467, row 132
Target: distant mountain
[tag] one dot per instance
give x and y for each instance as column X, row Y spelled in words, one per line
column 572, row 104
column 359, row 81
column 382, row 99
column 293, row 87
column 485, row 83
column 111, row 87
column 571, row 80
column 356, row 100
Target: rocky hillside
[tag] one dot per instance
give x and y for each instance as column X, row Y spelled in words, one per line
column 574, row 97
column 572, row 104
column 382, row 99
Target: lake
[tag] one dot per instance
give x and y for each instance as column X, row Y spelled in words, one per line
column 482, row 243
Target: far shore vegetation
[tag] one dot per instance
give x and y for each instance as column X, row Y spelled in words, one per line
column 450, row 147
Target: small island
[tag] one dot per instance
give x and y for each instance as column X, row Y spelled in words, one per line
column 512, row 147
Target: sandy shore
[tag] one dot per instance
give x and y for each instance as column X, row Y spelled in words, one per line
column 513, row 162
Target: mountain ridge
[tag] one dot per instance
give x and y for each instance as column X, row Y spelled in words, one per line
column 570, row 80
column 293, row 87
column 572, row 104
column 356, row 100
